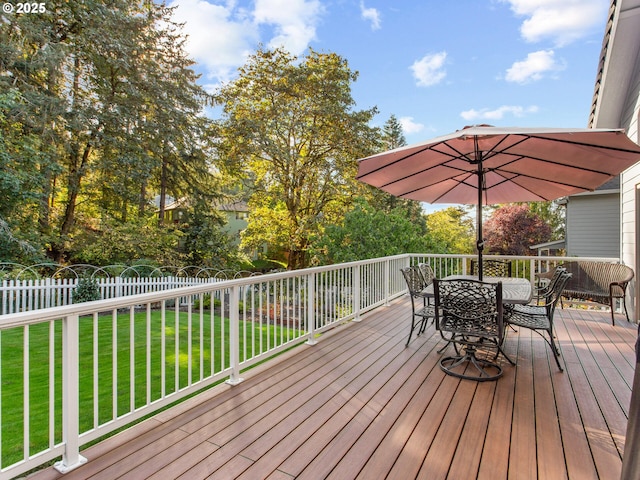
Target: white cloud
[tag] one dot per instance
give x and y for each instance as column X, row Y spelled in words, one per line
column 498, row 113
column 219, row 39
column 372, row 15
column 561, row 21
column 409, row 126
column 429, row 70
column 294, row 22
column 533, row 67
column 222, row 35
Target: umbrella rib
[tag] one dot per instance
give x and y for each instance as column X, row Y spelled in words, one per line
column 518, row 157
column 583, row 144
column 532, row 177
column 387, row 165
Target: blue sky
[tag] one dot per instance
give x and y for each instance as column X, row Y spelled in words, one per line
column 436, row 65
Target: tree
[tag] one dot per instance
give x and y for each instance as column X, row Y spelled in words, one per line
column 290, row 122
column 452, row 230
column 110, row 100
column 513, row 228
column 370, row 233
column 392, row 137
column 553, row 214
column 205, row 242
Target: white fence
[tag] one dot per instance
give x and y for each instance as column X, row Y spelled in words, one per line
column 72, row 374
column 24, row 295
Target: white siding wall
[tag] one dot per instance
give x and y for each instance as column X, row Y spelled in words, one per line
column 630, row 180
column 593, row 225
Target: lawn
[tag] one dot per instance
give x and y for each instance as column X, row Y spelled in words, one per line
column 139, row 343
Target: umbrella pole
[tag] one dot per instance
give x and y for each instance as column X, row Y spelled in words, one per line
column 479, row 240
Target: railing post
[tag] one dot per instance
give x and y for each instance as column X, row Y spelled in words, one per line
column 356, row 293
column 311, row 309
column 234, row 336
column 387, row 281
column 71, row 457
column 532, row 271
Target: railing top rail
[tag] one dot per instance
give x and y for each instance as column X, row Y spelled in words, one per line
column 88, row 308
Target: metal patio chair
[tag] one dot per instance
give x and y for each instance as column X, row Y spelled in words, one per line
column 469, row 313
column 539, row 318
column 421, row 308
column 492, row 268
column 427, row 273
column 543, row 290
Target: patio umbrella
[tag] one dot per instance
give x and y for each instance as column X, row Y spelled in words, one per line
column 485, row 165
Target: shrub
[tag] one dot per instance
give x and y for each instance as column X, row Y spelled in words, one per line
column 87, row 290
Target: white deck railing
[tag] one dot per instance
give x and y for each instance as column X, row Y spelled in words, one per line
column 72, row 374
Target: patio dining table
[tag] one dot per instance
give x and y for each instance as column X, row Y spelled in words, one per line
column 514, row 290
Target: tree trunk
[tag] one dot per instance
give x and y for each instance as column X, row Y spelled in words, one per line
column 163, row 190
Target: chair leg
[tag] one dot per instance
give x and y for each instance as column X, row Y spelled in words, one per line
column 413, row 325
column 554, row 349
column 626, row 312
column 612, row 304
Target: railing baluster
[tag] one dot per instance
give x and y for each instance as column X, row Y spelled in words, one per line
column 114, row 363
column 96, row 370
column 52, row 384
column 25, row 391
column 132, row 360
column 148, row 353
column 163, row 346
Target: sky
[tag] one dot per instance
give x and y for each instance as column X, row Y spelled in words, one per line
column 436, row 65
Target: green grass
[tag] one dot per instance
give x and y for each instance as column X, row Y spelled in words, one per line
column 12, row 365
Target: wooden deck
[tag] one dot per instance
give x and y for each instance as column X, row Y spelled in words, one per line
column 359, row 404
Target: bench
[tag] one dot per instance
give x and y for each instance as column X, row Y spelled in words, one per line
column 598, row 282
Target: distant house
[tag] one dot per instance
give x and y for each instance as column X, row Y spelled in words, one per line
column 235, row 213
column 616, row 104
column 548, row 249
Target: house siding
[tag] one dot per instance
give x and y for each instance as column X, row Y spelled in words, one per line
column 630, row 182
column 588, row 238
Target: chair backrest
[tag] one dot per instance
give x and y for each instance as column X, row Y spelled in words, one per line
column 427, row 273
column 552, row 300
column 415, row 282
column 469, row 308
column 548, row 290
column 492, row 268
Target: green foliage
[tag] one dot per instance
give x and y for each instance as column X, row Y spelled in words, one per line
column 14, row 249
column 553, row 214
column 107, row 112
column 127, row 242
column 369, row 233
column 452, row 230
column 300, row 145
column 205, row 243
column 87, row 290
column 513, row 228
